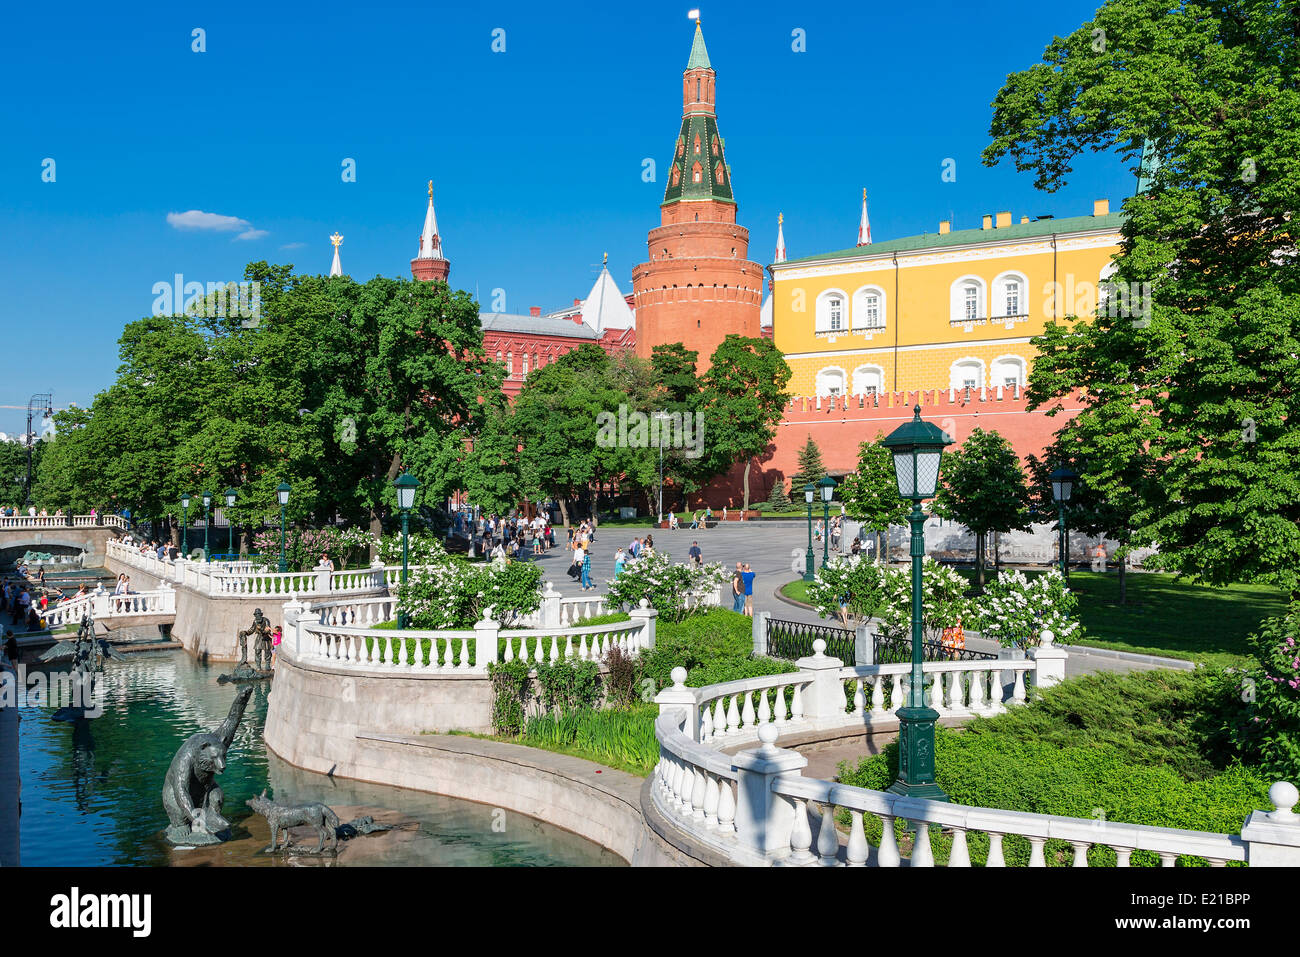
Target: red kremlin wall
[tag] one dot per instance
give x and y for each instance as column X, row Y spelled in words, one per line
column 840, row 424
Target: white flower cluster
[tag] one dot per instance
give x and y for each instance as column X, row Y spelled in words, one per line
column 674, row 590
column 1014, row 610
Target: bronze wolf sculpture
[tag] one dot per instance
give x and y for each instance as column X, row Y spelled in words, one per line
column 286, row 816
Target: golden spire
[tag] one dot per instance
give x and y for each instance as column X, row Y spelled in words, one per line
column 605, row 261
column 864, row 193
column 430, row 190
column 337, row 240
column 780, row 218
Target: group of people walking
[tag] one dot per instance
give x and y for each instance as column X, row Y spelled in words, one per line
column 502, row 537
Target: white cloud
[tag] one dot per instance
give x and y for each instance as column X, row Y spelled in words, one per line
column 253, row 234
column 293, row 245
column 197, row 219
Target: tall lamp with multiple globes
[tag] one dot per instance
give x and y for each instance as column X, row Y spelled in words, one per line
column 282, row 493
column 809, row 493
column 405, row 485
column 917, row 447
column 1063, row 480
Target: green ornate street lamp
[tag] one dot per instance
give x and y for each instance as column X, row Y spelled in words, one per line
column 406, row 484
column 809, row 493
column 282, row 493
column 185, row 524
column 1063, row 480
column 230, row 495
column 827, row 487
column 207, row 504
column 917, row 448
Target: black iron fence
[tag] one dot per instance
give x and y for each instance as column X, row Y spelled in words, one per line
column 794, row 639
column 889, row 651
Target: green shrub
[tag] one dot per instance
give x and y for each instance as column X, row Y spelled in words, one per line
column 1129, row 748
column 511, row 688
column 1258, row 716
column 713, row 646
column 569, row 684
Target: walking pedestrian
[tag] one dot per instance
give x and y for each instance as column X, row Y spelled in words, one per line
column 586, row 570
column 737, row 589
column 695, row 554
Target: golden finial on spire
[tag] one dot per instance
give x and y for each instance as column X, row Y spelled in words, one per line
column 430, row 190
column 337, row 240
column 605, row 261
column 864, row 194
column 780, row 218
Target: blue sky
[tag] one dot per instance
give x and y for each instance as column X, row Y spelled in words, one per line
column 536, row 153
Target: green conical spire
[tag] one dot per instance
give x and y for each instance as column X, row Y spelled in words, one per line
column 699, row 55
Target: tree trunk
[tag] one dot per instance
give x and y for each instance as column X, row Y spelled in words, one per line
column 595, row 505
column 1123, row 579
column 748, row 462
column 563, row 502
column 979, row 563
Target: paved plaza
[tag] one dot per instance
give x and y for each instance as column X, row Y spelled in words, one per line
column 768, row 546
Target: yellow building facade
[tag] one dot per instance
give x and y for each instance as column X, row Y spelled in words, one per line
column 952, row 309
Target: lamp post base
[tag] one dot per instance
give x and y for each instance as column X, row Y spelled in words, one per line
column 808, row 573
column 916, row 755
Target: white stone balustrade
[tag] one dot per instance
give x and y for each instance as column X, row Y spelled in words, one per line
column 776, row 815
column 346, row 634
column 61, row 521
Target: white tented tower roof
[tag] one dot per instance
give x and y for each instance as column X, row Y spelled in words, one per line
column 605, row 308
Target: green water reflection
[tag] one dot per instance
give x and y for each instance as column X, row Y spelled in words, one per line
column 91, row 790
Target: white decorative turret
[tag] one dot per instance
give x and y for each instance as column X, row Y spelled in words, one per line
column 605, row 308
column 864, row 224
column 336, row 268
column 780, row 239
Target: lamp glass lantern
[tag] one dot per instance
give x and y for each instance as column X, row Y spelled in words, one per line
column 809, row 493
column 282, row 493
column 230, row 496
column 827, row 487
column 185, row 500
column 1063, row 480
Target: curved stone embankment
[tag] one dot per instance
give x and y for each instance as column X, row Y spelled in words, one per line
column 329, row 720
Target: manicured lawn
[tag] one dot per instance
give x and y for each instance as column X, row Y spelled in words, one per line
column 796, row 590
column 1175, row 619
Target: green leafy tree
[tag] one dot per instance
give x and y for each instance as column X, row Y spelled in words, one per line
column 743, row 397
column 982, row 486
column 1199, row 370
column 870, row 494
column 679, row 394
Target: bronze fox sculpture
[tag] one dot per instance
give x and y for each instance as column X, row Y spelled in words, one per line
column 286, row 816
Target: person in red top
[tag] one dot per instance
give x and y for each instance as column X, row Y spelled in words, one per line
column 953, row 638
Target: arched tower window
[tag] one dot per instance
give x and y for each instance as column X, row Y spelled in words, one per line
column 697, row 172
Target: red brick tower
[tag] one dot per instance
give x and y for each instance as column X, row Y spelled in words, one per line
column 430, row 264
column 698, row 285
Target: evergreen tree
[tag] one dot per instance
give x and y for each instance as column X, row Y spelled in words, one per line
column 779, row 501
column 811, row 468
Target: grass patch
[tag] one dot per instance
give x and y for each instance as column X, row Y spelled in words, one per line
column 796, row 590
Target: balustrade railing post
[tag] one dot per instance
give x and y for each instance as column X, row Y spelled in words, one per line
column 680, row 696
column 1273, row 837
column 1050, row 661
column 864, row 645
column 647, row 616
column 764, row 819
column 823, row 698
column 550, row 610
column 292, row 626
column 486, row 633
column 759, row 631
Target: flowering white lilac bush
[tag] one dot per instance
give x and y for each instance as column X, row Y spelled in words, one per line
column 849, row 589
column 1014, row 610
column 675, row 591
column 449, row 592
column 421, row 549
column 943, row 601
